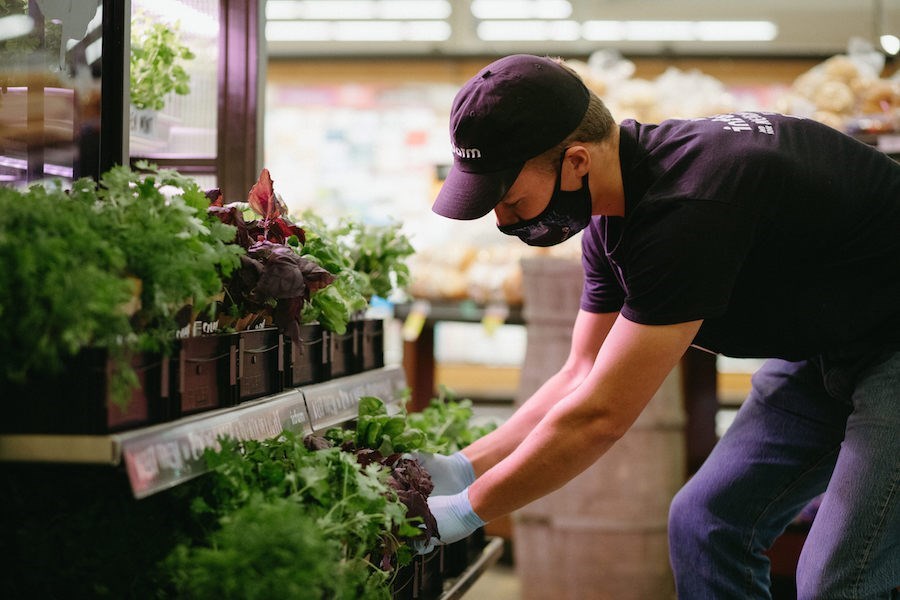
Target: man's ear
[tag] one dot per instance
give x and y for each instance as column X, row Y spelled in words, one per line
column 579, row 163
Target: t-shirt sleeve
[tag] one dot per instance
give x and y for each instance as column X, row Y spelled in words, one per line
column 683, row 259
column 602, row 292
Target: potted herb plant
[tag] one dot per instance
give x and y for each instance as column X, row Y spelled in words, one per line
column 95, row 279
column 272, row 285
column 371, row 260
column 157, row 68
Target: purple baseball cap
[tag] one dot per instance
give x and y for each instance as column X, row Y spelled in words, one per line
column 514, row 109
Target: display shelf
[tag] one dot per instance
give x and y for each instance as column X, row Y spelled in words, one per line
column 162, row 456
column 490, row 554
column 336, row 401
column 463, row 311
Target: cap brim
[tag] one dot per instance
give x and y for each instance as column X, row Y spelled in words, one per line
column 468, row 196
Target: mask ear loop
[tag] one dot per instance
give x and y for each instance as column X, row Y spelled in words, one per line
column 519, row 225
column 562, row 161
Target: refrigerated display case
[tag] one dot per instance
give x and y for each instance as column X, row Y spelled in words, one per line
column 65, row 103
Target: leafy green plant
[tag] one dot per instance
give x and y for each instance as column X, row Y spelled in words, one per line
column 157, row 63
column 281, row 512
column 178, row 251
column 447, row 423
column 378, row 430
column 272, row 548
column 352, row 502
column 63, row 284
column 379, row 251
column 274, row 281
column 335, row 306
column 368, row 260
column 109, row 266
column 444, row 426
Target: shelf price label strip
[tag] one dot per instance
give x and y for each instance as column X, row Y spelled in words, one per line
column 164, row 456
column 335, row 402
column 157, row 460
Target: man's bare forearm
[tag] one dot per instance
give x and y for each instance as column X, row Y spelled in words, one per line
column 497, row 445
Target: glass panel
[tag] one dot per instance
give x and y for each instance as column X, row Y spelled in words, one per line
column 49, row 89
column 174, row 75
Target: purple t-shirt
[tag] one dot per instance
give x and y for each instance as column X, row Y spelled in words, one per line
column 783, row 234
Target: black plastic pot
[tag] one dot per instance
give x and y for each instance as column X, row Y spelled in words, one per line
column 344, row 350
column 306, row 362
column 456, row 558
column 405, row 585
column 78, row 400
column 260, row 363
column 204, row 373
column 372, row 344
column 431, row 577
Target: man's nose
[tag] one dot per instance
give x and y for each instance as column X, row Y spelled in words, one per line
column 505, row 215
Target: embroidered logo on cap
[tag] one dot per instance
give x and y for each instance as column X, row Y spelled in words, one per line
column 467, row 152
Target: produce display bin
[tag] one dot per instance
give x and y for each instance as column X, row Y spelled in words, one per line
column 78, row 399
column 158, row 458
column 260, row 363
column 204, row 373
column 306, row 362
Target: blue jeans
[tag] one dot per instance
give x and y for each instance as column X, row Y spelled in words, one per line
column 824, row 425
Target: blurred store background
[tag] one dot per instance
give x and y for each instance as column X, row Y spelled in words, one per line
column 346, row 103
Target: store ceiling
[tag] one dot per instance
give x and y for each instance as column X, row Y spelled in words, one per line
column 573, row 27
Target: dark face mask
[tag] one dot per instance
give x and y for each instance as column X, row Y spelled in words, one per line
column 566, row 214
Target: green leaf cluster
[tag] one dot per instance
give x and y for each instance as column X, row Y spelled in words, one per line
column 179, row 252
column 281, row 517
column 272, row 548
column 349, row 505
column 63, row 285
column 379, row 251
column 157, row 63
column 368, row 260
column 106, row 266
column 444, row 426
column 447, row 423
column 378, row 430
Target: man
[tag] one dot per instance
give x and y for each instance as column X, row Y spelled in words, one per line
column 751, row 235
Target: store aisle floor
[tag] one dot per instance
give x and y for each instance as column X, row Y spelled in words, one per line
column 497, row 583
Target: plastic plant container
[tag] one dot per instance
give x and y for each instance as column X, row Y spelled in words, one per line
column 306, row 362
column 260, row 363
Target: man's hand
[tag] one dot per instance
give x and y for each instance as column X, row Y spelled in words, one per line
column 449, row 474
column 455, row 520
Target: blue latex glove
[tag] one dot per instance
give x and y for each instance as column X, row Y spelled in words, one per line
column 455, row 520
column 450, row 474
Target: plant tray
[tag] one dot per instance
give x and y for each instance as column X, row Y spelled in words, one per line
column 307, row 362
column 204, row 374
column 260, row 363
column 77, row 400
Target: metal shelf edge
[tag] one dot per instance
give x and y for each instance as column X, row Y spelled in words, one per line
column 89, row 449
column 337, row 401
column 162, row 456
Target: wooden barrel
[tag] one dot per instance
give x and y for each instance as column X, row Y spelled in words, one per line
column 550, row 298
column 602, row 535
